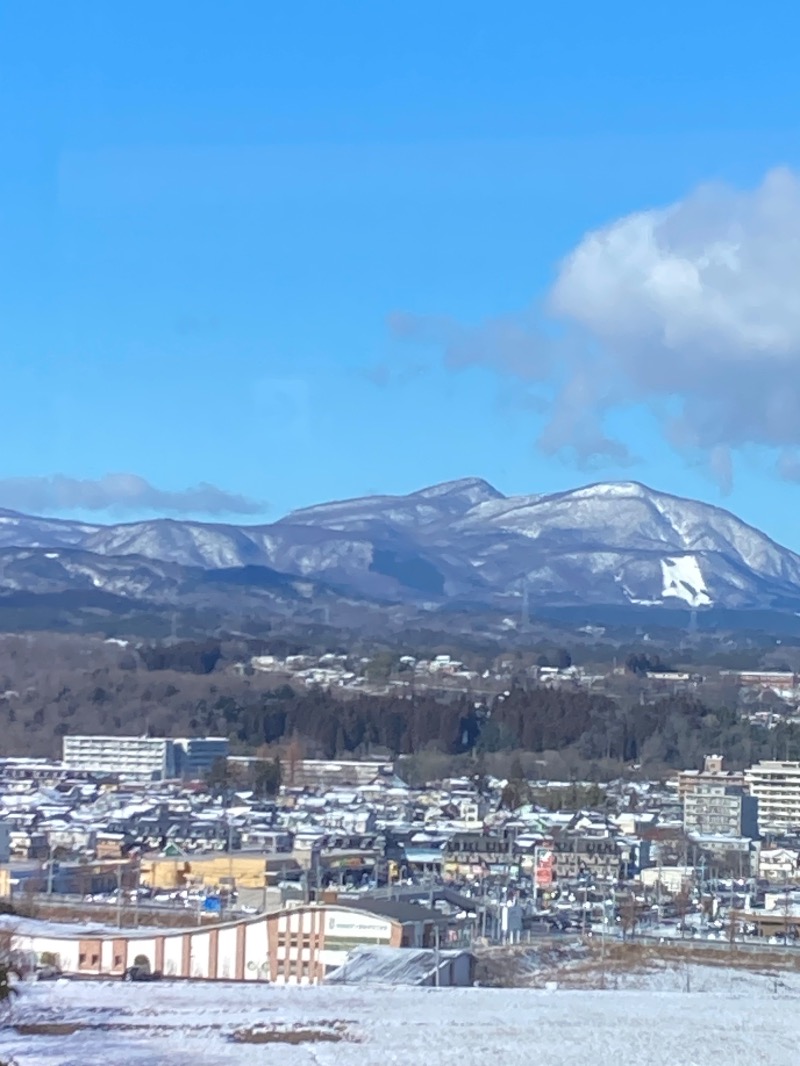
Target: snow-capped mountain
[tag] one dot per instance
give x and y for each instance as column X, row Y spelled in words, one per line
column 462, row 542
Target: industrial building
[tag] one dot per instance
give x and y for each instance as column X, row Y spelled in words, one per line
column 300, row 945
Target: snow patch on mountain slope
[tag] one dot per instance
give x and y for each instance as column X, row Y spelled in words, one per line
column 683, row 580
column 610, row 489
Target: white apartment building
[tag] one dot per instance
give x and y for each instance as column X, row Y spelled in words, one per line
column 776, row 786
column 133, row 758
column 720, row 810
column 144, row 758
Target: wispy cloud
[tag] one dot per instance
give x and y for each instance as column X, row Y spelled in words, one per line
column 508, row 343
column 119, row 493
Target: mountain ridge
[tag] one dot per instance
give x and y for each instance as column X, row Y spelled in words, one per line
column 461, row 541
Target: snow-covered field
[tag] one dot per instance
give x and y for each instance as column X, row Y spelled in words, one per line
column 739, row 1020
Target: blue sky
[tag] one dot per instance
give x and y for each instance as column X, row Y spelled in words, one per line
column 213, row 218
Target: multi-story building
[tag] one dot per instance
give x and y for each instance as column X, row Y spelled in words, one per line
column 577, row 854
column 720, row 809
column 469, row 851
column 194, row 756
column 711, row 774
column 144, row 758
column 133, row 758
column 776, row 786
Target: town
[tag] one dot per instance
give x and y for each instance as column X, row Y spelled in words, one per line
column 142, row 856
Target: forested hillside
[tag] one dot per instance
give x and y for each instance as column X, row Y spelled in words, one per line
column 54, row 684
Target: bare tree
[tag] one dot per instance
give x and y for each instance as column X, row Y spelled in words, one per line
column 628, row 915
column 682, row 902
column 733, row 927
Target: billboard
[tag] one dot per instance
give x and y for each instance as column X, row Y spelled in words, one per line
column 545, row 868
column 344, row 927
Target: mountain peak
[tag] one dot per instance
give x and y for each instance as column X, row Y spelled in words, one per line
column 620, row 489
column 472, row 489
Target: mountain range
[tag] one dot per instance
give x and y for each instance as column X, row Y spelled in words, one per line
column 459, row 545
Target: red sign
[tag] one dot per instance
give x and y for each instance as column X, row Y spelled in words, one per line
column 544, row 868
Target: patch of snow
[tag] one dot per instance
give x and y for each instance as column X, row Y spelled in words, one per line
column 683, row 580
column 610, row 489
column 192, row 1023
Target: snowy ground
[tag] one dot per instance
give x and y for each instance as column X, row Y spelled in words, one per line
column 738, row 1019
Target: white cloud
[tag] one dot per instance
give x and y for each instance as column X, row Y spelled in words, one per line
column 692, row 310
column 698, row 302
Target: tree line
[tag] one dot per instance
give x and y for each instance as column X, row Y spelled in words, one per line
column 53, row 685
column 675, row 731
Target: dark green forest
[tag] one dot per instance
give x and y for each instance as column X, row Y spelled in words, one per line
column 672, row 731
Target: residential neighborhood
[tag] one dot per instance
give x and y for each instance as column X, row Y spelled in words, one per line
column 200, row 875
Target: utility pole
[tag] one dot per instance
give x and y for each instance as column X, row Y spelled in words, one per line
column 50, row 871
column 230, row 847
column 436, row 954
column 119, row 895
column 536, row 878
column 658, row 890
column 136, row 891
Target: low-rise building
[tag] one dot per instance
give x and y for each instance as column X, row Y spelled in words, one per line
column 778, row 864
column 577, row 854
column 293, row 946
